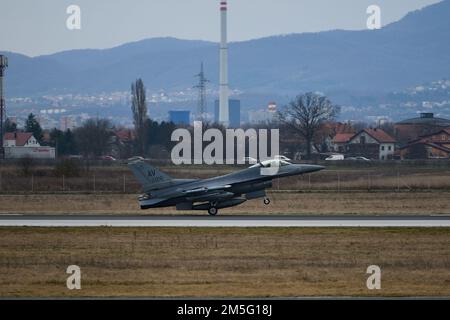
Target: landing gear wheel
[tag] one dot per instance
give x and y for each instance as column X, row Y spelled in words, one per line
column 212, row 211
column 266, row 201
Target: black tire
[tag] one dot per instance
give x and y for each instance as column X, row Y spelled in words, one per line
column 266, row 201
column 213, row 211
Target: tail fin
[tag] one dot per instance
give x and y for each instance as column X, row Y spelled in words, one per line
column 148, row 176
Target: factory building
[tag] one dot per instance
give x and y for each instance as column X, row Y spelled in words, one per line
column 234, row 113
column 180, row 117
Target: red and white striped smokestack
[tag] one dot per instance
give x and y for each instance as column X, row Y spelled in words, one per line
column 223, row 94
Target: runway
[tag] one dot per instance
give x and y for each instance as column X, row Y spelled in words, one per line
column 221, row 221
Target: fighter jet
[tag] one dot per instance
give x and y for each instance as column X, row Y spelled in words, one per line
column 160, row 190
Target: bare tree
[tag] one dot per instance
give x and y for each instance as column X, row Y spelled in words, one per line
column 305, row 114
column 139, row 109
column 93, row 138
column 26, row 165
column 361, row 125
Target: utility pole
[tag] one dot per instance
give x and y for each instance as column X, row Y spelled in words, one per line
column 201, row 108
column 3, row 66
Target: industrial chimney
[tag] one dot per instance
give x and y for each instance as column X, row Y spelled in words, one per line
column 223, row 94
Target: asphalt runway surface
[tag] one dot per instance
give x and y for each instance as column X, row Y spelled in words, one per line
column 221, row 221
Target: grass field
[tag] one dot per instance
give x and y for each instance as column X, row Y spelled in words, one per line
column 382, row 203
column 119, row 179
column 264, row 262
column 247, row 262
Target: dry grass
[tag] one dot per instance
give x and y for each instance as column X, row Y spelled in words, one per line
column 172, row 262
column 120, row 179
column 282, row 203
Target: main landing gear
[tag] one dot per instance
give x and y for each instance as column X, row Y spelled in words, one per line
column 212, row 209
column 266, row 201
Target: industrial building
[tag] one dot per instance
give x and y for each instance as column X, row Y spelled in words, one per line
column 234, row 112
column 180, row 117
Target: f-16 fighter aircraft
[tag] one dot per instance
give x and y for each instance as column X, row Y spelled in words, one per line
column 160, row 190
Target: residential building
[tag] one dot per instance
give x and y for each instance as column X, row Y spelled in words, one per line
column 24, row 144
column 441, row 137
column 424, row 150
column 340, row 141
column 410, row 129
column 20, row 139
column 431, row 146
column 372, row 144
column 122, row 143
column 66, row 123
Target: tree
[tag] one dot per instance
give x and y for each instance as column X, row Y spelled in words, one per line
column 93, row 138
column 33, row 126
column 55, row 138
column 306, row 113
column 10, row 126
column 64, row 142
column 70, row 143
column 139, row 109
column 160, row 132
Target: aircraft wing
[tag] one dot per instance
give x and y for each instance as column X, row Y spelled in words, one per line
column 211, row 193
column 203, row 190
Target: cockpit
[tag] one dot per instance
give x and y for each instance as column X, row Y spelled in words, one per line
column 271, row 163
column 145, row 196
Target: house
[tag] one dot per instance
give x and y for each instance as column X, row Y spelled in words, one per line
column 122, row 143
column 125, row 135
column 324, row 141
column 372, row 144
column 20, row 139
column 339, row 142
column 23, row 145
column 424, row 150
column 441, row 137
column 410, row 129
column 431, row 146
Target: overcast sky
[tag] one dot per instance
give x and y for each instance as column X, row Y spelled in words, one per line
column 35, row 27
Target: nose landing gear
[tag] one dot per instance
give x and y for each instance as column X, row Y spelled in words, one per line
column 266, row 201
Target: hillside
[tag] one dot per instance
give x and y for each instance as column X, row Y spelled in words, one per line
column 340, row 63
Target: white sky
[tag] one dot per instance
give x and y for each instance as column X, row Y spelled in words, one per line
column 35, row 27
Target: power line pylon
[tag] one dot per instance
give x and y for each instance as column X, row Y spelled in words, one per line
column 201, row 107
